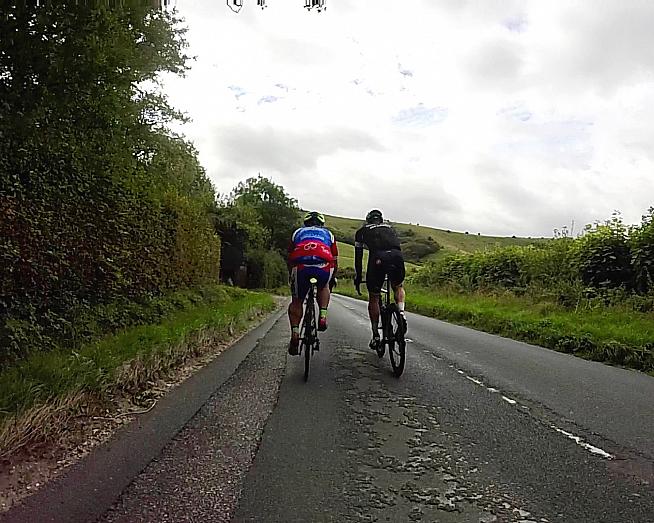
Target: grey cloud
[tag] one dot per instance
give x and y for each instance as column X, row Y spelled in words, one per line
column 495, row 63
column 286, row 151
column 521, row 211
column 609, row 45
column 564, row 144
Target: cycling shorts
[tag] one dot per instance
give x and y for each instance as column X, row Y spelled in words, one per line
column 301, row 274
column 382, row 263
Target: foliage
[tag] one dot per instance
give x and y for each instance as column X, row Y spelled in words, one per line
column 99, row 203
column 277, row 213
column 641, row 243
column 603, row 255
column 260, row 218
column 148, row 341
column 612, row 334
column 266, row 269
column 602, row 266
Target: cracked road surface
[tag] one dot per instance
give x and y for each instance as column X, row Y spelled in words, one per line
column 479, row 429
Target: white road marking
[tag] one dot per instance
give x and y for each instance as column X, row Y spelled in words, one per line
column 591, row 448
column 509, row 400
column 475, row 380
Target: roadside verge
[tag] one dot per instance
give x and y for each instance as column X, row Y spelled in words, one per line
column 191, row 343
column 609, row 336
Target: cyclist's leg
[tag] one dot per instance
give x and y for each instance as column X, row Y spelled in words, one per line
column 323, row 275
column 374, row 280
column 396, row 275
column 299, row 289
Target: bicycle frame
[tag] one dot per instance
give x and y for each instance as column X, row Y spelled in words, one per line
column 391, row 337
column 309, row 341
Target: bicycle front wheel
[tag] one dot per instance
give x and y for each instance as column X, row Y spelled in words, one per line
column 397, row 344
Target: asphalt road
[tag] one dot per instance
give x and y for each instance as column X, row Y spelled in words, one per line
column 478, row 429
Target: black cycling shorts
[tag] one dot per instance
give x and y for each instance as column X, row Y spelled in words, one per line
column 382, row 263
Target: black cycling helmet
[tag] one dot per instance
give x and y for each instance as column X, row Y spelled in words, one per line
column 374, row 216
column 314, row 219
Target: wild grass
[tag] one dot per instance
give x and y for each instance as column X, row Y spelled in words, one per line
column 611, row 334
column 39, row 393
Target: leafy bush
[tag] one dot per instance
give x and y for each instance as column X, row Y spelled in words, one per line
column 417, row 249
column 604, row 256
column 266, row 269
column 641, row 243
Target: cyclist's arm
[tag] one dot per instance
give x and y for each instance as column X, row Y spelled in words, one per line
column 334, row 250
column 358, row 254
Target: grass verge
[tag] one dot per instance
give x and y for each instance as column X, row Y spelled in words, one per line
column 609, row 335
column 40, row 393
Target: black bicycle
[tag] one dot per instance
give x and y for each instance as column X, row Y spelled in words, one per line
column 309, row 341
column 393, row 330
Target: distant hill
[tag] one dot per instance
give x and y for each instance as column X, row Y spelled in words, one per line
column 420, row 242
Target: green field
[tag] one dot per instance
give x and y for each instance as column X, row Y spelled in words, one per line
column 346, row 257
column 450, row 241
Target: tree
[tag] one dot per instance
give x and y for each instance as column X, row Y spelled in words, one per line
column 98, row 201
column 278, row 213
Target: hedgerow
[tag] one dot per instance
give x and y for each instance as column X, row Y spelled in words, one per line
column 99, row 202
column 609, row 263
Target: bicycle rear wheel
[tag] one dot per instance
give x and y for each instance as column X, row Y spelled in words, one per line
column 307, row 358
column 397, row 343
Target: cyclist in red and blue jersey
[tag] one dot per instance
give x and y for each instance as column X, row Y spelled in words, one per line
column 312, row 253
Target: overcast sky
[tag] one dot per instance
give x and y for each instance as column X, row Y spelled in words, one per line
column 499, row 117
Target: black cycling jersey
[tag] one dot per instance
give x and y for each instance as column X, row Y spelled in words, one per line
column 377, row 237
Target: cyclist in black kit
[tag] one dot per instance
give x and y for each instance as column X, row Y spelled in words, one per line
column 384, row 257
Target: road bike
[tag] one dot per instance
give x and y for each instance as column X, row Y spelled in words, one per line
column 393, row 330
column 309, row 341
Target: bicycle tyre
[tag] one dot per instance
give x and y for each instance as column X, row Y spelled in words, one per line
column 397, row 343
column 308, row 338
column 380, row 349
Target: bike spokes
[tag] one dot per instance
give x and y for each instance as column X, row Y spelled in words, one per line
column 397, row 343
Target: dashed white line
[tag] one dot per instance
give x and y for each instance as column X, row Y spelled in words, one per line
column 591, row 448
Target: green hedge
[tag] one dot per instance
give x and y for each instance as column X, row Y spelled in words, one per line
column 99, row 203
column 610, row 261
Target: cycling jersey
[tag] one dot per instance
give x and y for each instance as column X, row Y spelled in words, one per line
column 312, row 253
column 377, row 237
column 312, row 246
column 385, row 255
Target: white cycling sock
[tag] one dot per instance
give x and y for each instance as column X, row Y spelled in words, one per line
column 400, row 306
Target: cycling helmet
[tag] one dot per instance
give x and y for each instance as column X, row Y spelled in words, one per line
column 314, row 218
column 374, row 216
